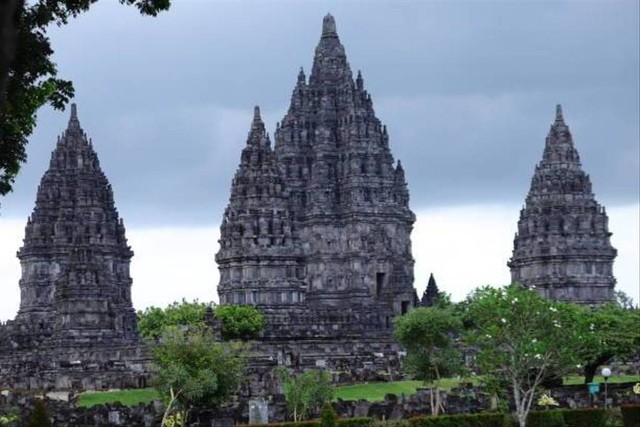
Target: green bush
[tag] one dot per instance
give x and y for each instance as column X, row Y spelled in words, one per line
column 39, row 416
column 546, row 419
column 462, row 420
column 584, row 417
column 630, row 415
column 342, row 422
column 328, row 416
column 355, row 422
column 314, row 423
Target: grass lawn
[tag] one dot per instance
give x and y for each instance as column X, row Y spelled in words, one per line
column 126, row 397
column 367, row 391
column 376, row 391
column 613, row 379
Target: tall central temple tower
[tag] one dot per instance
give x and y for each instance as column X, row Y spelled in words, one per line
column 323, row 218
column 317, row 230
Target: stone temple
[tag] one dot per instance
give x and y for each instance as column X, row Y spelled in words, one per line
column 76, row 327
column 562, row 247
column 317, row 230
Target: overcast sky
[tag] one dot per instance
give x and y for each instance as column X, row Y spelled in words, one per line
column 467, row 91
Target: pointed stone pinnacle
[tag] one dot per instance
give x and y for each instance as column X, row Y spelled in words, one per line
column 559, row 116
column 74, row 123
column 329, row 26
column 256, row 114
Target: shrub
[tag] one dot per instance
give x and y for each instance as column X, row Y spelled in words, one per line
column 328, row 416
column 314, row 423
column 546, row 419
column 584, row 417
column 355, row 422
column 462, row 420
column 630, row 415
column 39, row 416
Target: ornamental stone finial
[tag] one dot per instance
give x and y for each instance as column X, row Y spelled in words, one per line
column 559, row 116
column 74, row 123
column 328, row 25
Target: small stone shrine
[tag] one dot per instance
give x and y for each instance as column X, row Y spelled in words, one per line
column 76, row 327
column 562, row 247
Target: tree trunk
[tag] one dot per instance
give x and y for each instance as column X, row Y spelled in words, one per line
column 590, row 369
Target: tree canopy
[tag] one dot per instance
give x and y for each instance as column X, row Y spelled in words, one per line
column 427, row 335
column 153, row 321
column 306, row 392
column 613, row 332
column 524, row 339
column 195, row 370
column 243, row 322
column 28, row 75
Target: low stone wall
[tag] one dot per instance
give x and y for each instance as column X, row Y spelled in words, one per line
column 461, row 400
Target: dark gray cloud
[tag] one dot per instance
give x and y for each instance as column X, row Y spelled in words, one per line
column 467, row 90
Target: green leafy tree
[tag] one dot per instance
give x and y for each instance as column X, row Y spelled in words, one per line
column 613, row 332
column 305, row 393
column 153, row 321
column 239, row 321
column 39, row 417
column 328, row 416
column 623, row 300
column 427, row 335
column 28, row 76
column 524, row 339
column 194, row 370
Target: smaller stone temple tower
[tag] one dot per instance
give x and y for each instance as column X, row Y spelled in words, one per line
column 76, row 326
column 562, row 247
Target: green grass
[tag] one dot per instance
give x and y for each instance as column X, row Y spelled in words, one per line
column 368, row 391
column 614, row 379
column 126, row 397
column 376, row 391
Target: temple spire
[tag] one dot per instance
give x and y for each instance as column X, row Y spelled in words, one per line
column 329, row 26
column 74, row 123
column 258, row 134
column 559, row 116
column 550, row 251
column 330, row 64
column 431, row 293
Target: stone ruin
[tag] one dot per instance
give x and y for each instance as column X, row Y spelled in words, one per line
column 562, row 247
column 76, row 327
column 317, row 231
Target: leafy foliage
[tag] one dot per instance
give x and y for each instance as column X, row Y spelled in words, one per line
column 545, row 419
column 462, row 420
column 39, row 416
column 426, row 334
column 28, row 76
column 240, row 321
column 630, row 415
column 524, row 339
column 153, row 321
column 194, row 370
column 613, row 332
column 328, row 416
column 305, row 393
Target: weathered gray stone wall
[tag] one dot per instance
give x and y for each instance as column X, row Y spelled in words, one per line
column 463, row 400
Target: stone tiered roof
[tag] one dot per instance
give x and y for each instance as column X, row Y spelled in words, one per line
column 562, row 247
